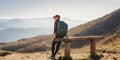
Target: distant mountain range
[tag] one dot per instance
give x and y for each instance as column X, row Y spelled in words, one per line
column 15, row 29
column 13, row 34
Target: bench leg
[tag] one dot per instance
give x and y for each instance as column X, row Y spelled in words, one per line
column 93, row 48
column 67, row 49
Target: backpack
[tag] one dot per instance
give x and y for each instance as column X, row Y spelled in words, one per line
column 62, row 29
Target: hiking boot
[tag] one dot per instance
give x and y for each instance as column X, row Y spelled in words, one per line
column 52, row 57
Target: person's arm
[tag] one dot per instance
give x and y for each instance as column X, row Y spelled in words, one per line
column 54, row 35
column 55, row 28
column 66, row 36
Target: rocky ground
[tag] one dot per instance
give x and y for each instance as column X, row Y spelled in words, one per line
column 76, row 55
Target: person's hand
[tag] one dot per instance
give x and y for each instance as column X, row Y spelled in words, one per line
column 66, row 35
column 55, row 35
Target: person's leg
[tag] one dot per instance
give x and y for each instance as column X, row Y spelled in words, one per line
column 53, row 48
column 57, row 48
column 58, row 45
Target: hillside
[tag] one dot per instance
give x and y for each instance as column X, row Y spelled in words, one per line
column 101, row 26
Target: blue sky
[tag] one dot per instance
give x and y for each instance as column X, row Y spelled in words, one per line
column 74, row 9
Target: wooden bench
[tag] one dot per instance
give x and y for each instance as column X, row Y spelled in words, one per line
column 70, row 39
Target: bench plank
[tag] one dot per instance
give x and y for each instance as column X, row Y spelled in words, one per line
column 78, row 38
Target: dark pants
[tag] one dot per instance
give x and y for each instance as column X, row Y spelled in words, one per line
column 55, row 46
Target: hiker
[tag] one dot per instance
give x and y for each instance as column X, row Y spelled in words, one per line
column 60, row 31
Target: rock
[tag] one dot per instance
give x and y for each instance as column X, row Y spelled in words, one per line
column 114, row 58
column 4, row 53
